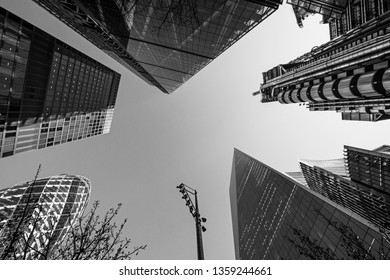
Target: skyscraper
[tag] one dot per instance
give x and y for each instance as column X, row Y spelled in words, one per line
column 349, row 74
column 50, row 93
column 365, row 187
column 275, row 217
column 163, row 42
column 44, row 210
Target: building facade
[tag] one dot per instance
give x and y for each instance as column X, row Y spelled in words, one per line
column 42, row 211
column 163, row 42
column 365, row 189
column 349, row 74
column 275, row 217
column 50, row 93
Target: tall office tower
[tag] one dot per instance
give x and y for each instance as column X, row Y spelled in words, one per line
column 349, row 74
column 50, row 93
column 43, row 211
column 163, row 42
column 365, row 189
column 275, row 217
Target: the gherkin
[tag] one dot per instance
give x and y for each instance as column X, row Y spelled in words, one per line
column 41, row 212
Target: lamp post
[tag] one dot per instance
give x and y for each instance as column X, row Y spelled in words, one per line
column 194, row 210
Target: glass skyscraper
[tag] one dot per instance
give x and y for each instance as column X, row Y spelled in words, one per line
column 349, row 74
column 50, row 93
column 275, row 217
column 163, row 42
column 43, row 210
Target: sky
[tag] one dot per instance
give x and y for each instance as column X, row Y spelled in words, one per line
column 158, row 141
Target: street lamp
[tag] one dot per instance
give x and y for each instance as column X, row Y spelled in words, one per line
column 194, row 210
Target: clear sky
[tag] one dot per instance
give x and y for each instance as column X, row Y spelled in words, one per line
column 158, row 141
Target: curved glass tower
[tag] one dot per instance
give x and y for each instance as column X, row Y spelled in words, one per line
column 39, row 213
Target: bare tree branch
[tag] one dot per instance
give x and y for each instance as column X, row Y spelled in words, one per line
column 15, row 233
column 33, row 236
column 96, row 238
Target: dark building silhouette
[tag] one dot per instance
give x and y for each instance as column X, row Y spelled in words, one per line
column 349, row 74
column 163, row 42
column 275, row 217
column 53, row 204
column 50, row 93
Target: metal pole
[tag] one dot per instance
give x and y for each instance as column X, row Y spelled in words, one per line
column 199, row 241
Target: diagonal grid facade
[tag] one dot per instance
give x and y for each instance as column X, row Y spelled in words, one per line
column 42, row 211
